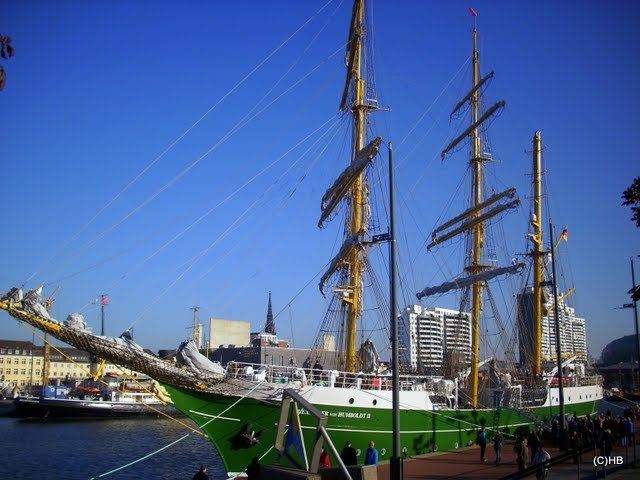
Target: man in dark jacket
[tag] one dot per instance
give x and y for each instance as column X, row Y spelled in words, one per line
column 202, row 474
column 348, row 455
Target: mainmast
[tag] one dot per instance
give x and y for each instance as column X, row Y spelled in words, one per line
column 351, row 185
column 478, row 230
column 537, row 254
column 472, row 222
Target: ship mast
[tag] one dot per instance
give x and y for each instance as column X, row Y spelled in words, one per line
column 537, row 254
column 351, row 185
column 357, row 227
column 472, row 221
column 478, row 231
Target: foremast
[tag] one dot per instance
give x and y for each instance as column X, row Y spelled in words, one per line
column 351, row 259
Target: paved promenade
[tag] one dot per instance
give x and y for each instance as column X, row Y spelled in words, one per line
column 465, row 464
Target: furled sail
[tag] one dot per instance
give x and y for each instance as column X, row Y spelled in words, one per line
column 352, row 52
column 348, row 246
column 470, row 94
column 471, row 222
column 470, row 280
column 473, row 126
column 344, row 182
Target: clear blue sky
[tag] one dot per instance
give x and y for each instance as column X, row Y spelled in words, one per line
column 98, row 90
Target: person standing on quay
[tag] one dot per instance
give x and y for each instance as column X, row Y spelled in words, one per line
column 349, row 455
column 540, row 458
column 202, row 474
column 497, row 446
column 325, row 461
column 482, row 441
column 522, row 452
column 371, row 458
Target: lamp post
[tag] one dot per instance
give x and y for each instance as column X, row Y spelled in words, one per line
column 634, row 305
column 563, row 426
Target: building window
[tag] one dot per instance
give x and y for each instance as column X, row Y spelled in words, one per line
column 1, row 360
column 37, row 361
column 15, row 371
column 24, row 361
column 22, row 383
column 23, row 372
column 37, row 372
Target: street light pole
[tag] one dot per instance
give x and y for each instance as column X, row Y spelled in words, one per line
column 635, row 317
column 563, row 426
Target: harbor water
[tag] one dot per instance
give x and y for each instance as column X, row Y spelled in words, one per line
column 92, row 449
column 160, row 448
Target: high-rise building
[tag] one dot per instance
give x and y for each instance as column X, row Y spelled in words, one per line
column 573, row 340
column 435, row 336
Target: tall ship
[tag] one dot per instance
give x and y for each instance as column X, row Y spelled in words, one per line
column 239, row 407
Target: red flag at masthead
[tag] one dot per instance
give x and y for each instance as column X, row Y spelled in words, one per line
column 473, row 12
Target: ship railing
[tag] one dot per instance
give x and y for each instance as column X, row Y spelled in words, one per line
column 291, row 374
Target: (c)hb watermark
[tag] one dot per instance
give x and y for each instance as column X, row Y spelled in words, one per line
column 604, row 461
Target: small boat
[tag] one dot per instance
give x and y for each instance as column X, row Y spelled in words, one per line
column 7, row 407
column 75, row 408
column 89, row 401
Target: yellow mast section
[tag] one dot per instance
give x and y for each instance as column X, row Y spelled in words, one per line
column 351, row 185
column 537, row 254
column 357, row 227
column 478, row 230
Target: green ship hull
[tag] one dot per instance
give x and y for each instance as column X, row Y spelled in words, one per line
column 244, row 428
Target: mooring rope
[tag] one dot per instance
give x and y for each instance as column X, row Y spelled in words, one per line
column 179, row 439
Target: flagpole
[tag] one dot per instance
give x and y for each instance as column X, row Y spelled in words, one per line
column 104, row 300
column 563, row 423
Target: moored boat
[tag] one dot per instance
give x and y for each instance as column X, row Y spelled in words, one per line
column 114, row 399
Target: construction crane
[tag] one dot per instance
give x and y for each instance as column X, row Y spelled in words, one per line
column 562, row 298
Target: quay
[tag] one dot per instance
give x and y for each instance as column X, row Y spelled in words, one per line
column 465, row 464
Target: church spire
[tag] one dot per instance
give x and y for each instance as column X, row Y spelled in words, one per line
column 270, row 327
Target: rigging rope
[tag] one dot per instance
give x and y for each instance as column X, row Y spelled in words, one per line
column 120, row 369
column 176, row 141
column 179, row 439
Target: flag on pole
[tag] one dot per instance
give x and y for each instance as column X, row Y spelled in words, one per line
column 294, row 436
column 105, row 300
column 473, row 12
column 565, row 234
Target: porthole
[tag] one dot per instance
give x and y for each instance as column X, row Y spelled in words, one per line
column 383, row 451
column 358, row 452
column 351, row 401
column 455, row 445
column 435, row 447
column 375, row 402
